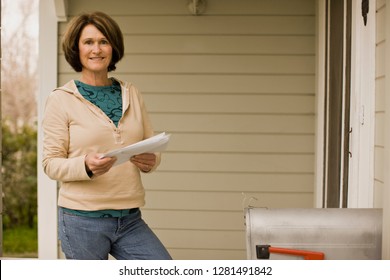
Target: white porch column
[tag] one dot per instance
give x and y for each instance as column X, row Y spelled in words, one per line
column 47, row 189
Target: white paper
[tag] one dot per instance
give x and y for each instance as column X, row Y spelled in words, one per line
column 153, row 144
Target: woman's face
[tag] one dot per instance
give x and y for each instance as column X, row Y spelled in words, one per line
column 95, row 50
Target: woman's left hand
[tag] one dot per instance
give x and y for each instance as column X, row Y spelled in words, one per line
column 145, row 162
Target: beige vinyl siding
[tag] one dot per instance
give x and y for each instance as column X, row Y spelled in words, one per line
column 382, row 160
column 235, row 88
column 380, row 78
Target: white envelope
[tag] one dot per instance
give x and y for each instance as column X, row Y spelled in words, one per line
column 153, row 144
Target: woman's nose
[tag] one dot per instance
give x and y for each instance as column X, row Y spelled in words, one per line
column 96, row 47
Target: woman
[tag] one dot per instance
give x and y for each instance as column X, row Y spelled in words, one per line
column 98, row 204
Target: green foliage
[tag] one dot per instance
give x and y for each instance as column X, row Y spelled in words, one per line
column 19, row 176
column 20, row 242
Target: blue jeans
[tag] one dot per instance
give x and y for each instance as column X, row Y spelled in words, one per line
column 125, row 238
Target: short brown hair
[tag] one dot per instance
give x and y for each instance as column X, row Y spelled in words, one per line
column 105, row 24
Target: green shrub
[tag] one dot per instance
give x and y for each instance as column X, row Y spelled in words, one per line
column 20, row 242
column 19, row 176
column 19, row 183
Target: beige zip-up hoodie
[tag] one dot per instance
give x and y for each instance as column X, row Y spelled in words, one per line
column 74, row 127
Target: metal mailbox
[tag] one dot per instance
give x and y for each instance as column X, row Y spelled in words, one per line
column 338, row 233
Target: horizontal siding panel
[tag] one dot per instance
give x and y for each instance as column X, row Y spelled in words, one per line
column 64, row 78
column 214, row 7
column 216, row 201
column 268, row 7
column 222, row 64
column 222, row 240
column 380, row 25
column 380, row 93
column 208, row 123
column 229, row 103
column 379, row 129
column 241, row 143
column 288, row 84
column 379, row 172
column 194, row 220
column 380, row 4
column 380, row 65
column 229, row 182
column 378, row 194
column 195, row 44
column 215, row 162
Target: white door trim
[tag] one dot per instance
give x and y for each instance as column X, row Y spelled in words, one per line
column 361, row 167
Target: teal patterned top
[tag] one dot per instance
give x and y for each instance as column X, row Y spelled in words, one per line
column 107, row 98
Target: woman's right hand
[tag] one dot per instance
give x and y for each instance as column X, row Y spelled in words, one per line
column 98, row 166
